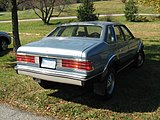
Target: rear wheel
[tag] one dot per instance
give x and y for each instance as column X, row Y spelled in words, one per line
column 105, row 87
column 109, row 81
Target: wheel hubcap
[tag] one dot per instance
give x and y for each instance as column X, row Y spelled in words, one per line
column 110, row 83
column 4, row 45
column 140, row 59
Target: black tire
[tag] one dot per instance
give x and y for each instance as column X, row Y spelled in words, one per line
column 110, row 82
column 139, row 60
column 3, row 45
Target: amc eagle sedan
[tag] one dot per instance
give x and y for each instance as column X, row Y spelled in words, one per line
column 80, row 53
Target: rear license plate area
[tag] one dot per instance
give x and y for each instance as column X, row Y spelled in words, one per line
column 48, row 63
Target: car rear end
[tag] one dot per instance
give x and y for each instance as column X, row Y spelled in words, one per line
column 54, row 69
column 60, row 57
column 56, row 64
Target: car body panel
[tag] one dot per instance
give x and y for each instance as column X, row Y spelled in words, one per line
column 50, row 46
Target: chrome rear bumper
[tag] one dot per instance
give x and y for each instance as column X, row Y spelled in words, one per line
column 52, row 78
column 53, row 75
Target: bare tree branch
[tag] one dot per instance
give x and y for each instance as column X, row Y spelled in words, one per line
column 46, row 8
column 20, row 2
column 34, row 9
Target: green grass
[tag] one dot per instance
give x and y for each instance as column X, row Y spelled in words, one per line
column 102, row 7
column 137, row 93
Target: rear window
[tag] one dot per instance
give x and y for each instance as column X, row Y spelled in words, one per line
column 89, row 31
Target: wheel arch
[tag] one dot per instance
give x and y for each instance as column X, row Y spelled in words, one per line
column 140, row 47
column 99, row 87
column 113, row 62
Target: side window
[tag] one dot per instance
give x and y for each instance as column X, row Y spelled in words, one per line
column 110, row 35
column 118, row 34
column 127, row 34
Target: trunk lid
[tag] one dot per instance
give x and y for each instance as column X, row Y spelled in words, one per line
column 62, row 47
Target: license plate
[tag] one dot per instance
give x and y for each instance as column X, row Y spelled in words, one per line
column 48, row 63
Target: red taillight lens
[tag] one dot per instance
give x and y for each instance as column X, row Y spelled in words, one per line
column 25, row 58
column 83, row 65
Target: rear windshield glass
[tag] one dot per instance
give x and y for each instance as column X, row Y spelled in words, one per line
column 89, row 31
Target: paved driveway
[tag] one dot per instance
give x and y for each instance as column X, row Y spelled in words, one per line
column 74, row 17
column 8, row 113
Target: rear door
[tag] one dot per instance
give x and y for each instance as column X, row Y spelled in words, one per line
column 122, row 45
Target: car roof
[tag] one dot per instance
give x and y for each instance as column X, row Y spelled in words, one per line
column 101, row 23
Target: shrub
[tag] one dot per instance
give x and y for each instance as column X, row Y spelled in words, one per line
column 130, row 10
column 108, row 19
column 85, row 12
column 141, row 19
column 124, row 1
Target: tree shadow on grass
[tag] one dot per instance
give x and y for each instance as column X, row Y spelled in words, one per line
column 2, row 53
column 9, row 62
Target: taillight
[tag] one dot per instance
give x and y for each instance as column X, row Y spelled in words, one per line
column 25, row 58
column 83, row 65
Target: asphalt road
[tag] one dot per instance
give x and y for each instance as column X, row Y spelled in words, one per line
column 8, row 113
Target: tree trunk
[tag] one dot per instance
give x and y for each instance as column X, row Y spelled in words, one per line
column 15, row 31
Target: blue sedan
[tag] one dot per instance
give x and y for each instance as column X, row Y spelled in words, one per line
column 80, row 53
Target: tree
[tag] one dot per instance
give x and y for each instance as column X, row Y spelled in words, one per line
column 3, row 5
column 85, row 12
column 15, row 31
column 44, row 8
column 131, row 10
column 154, row 3
column 6, row 4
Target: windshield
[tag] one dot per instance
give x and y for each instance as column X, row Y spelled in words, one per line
column 89, row 31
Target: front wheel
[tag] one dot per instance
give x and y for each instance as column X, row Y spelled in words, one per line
column 139, row 60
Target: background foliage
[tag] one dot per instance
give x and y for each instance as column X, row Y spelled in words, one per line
column 154, row 3
column 131, row 10
column 85, row 12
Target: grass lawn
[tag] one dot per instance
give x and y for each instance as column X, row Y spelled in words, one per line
column 137, row 95
column 102, row 7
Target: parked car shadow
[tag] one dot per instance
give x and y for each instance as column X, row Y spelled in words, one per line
column 2, row 53
column 137, row 90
